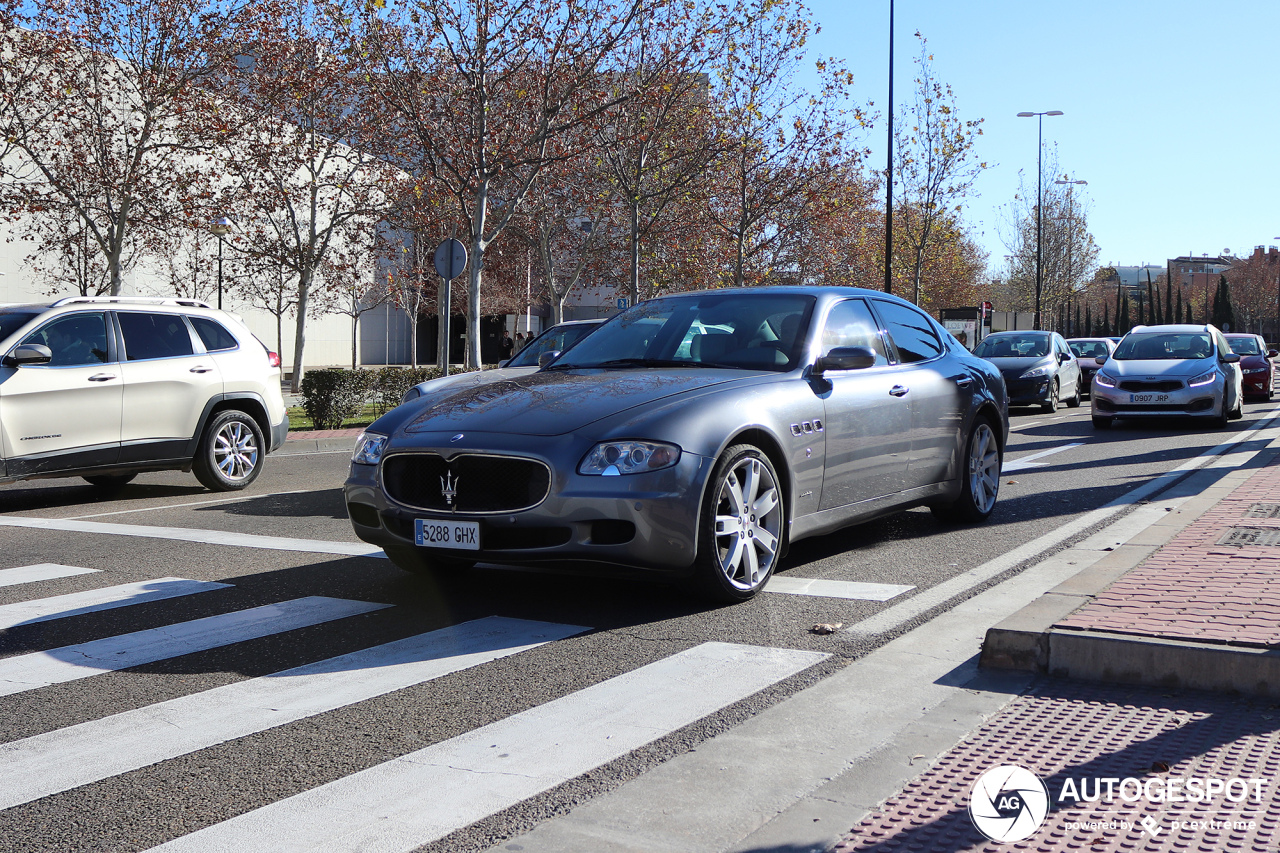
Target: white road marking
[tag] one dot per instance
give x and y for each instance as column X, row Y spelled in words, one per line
column 40, row 572
column 69, row 663
column 214, row 502
column 891, row 617
column 106, row 598
column 78, row 755
column 1029, row 461
column 851, row 590
column 420, row 797
column 204, row 537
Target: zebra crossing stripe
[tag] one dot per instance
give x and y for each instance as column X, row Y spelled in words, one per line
column 69, row 663
column 423, row 796
column 66, row 758
column 106, row 598
column 41, row 572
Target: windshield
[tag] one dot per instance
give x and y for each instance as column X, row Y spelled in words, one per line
column 556, row 339
column 1244, row 346
column 763, row 331
column 1088, row 349
column 12, row 321
column 1013, row 346
column 1165, row 345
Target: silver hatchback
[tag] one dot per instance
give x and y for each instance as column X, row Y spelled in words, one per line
column 1169, row 371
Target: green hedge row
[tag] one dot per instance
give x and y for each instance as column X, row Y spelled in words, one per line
column 332, row 395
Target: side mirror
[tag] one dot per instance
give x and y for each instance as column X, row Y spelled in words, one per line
column 1272, row 353
column 28, row 354
column 1102, row 359
column 548, row 357
column 1231, row 358
column 845, row 358
column 1063, row 358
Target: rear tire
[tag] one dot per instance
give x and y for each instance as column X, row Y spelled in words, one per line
column 231, row 452
column 980, row 477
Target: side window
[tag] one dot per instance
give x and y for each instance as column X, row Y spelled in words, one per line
column 213, row 334
column 911, row 331
column 75, row 339
column 154, row 335
column 850, row 324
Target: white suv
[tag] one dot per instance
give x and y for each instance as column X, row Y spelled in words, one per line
column 104, row 387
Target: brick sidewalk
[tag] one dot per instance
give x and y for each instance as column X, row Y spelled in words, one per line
column 1195, row 587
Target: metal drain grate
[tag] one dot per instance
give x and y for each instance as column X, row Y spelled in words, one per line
column 1263, row 511
column 1250, row 536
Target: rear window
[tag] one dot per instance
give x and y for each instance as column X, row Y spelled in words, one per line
column 154, row 335
column 213, row 334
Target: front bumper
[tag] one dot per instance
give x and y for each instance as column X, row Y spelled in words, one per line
column 1204, row 401
column 1257, row 384
column 1029, row 392
column 646, row 521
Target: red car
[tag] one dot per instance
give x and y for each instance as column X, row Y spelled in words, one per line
column 1255, row 363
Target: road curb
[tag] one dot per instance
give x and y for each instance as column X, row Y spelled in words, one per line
column 1028, row 640
column 302, row 446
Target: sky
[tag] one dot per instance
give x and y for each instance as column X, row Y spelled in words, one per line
column 1169, row 109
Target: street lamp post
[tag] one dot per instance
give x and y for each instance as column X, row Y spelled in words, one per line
column 1039, row 194
column 220, row 228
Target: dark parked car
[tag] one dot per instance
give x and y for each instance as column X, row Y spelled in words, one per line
column 1255, row 363
column 697, row 435
column 1038, row 367
column 1087, row 352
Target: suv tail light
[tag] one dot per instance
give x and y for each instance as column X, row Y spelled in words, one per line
column 273, row 359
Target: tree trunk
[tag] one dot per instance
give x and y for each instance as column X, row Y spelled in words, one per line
column 300, row 329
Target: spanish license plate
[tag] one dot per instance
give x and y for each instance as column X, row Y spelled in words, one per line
column 1148, row 398
column 437, row 533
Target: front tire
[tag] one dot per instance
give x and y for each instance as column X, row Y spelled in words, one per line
column 740, row 532
column 1101, row 423
column 981, row 478
column 231, row 452
column 1052, row 406
column 1074, row 402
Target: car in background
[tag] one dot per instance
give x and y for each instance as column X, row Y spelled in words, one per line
column 1255, row 364
column 542, row 349
column 1038, row 367
column 103, row 387
column 1169, row 371
column 1087, row 352
column 695, row 436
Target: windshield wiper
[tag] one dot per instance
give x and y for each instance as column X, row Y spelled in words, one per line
column 643, row 362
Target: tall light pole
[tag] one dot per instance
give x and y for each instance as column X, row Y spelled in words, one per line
column 1039, row 194
column 220, row 228
column 1071, row 240
column 888, row 174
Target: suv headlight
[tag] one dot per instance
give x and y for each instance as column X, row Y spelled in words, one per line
column 613, row 458
column 1104, row 379
column 369, row 448
column 1043, row 370
column 1203, row 379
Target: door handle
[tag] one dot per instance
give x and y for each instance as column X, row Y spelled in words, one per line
column 200, row 368
column 898, row 391
column 102, row 377
column 964, row 381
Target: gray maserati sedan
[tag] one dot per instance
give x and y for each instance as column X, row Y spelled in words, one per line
column 695, row 435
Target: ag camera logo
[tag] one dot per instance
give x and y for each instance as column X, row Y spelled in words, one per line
column 1008, row 803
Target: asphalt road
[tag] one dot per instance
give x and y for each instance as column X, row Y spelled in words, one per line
column 598, row 639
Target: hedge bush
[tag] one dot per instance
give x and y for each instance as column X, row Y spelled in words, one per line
column 392, row 382
column 330, row 396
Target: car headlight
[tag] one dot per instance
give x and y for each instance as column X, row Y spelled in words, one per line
column 1104, row 379
column 1043, row 370
column 369, row 448
column 613, row 458
column 1256, row 370
column 1203, row 379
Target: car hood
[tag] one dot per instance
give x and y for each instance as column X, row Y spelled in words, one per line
column 470, row 379
column 1159, row 367
column 1014, row 367
column 555, row 402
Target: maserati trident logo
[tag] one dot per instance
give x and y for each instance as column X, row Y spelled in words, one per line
column 449, row 487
